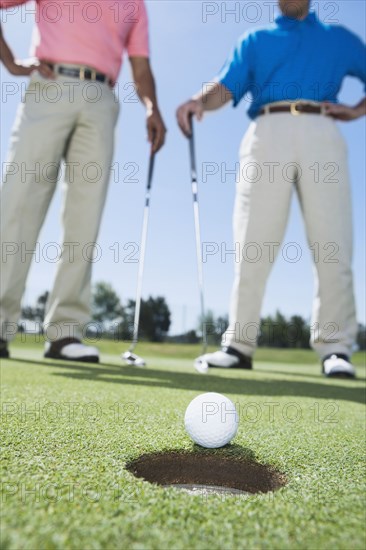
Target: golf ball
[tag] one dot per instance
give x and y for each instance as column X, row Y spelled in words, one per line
column 211, row 420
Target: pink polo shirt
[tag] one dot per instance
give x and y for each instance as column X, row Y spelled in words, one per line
column 94, row 33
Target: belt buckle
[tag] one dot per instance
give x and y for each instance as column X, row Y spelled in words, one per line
column 293, row 109
column 82, row 73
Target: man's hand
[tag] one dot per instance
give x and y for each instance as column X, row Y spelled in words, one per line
column 212, row 97
column 21, row 68
column 145, row 87
column 155, row 130
column 18, row 68
column 185, row 112
column 344, row 112
column 45, row 70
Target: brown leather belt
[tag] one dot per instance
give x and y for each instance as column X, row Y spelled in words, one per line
column 293, row 108
column 82, row 73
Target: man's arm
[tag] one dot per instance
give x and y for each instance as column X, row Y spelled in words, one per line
column 6, row 55
column 213, row 96
column 7, row 58
column 344, row 112
column 18, row 68
column 145, row 86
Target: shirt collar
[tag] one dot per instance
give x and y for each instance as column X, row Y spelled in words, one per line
column 289, row 22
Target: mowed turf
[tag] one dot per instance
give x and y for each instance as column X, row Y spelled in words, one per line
column 69, row 430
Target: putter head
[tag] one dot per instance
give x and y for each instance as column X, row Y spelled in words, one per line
column 133, row 359
column 201, row 365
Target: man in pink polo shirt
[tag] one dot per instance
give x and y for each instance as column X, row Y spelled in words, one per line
column 79, row 50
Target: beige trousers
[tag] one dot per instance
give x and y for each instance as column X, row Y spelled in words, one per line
column 71, row 120
column 281, row 153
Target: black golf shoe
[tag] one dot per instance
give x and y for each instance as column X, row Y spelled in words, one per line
column 226, row 358
column 4, row 351
column 338, row 365
column 71, row 349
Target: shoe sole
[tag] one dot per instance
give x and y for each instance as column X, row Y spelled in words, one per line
column 238, row 366
column 343, row 375
column 60, row 357
column 338, row 374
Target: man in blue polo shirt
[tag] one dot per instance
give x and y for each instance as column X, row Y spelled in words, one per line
column 293, row 71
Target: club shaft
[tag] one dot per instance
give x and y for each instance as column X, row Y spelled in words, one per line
column 197, row 227
column 140, row 275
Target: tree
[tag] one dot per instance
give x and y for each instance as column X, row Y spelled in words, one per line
column 361, row 337
column 154, row 319
column 106, row 305
column 207, row 325
column 298, row 333
column 36, row 313
column 214, row 327
column 28, row 313
column 190, row 337
column 41, row 305
column 279, row 332
column 222, row 323
column 266, row 336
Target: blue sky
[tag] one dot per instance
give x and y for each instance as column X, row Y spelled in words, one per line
column 187, row 50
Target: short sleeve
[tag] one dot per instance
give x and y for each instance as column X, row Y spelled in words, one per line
column 4, row 4
column 236, row 73
column 356, row 57
column 138, row 38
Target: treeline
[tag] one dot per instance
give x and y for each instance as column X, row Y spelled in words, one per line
column 117, row 319
column 113, row 319
column 277, row 331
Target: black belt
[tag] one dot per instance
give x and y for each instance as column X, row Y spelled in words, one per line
column 82, row 73
column 295, row 108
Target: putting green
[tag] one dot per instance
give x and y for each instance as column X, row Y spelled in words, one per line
column 68, row 431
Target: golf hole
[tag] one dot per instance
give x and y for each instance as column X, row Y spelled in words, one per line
column 201, row 473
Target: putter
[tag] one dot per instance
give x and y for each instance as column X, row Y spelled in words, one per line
column 200, row 365
column 130, row 357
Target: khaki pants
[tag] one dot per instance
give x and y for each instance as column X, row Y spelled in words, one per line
column 62, row 119
column 281, row 153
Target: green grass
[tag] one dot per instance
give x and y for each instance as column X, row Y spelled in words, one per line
column 68, row 431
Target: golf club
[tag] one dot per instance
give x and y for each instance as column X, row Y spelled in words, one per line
column 198, row 235
column 130, row 357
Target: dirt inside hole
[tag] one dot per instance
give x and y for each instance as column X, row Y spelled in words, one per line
column 207, row 470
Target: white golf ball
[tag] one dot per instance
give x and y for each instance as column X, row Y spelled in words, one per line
column 211, row 420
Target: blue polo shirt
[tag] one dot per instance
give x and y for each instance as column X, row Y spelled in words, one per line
column 292, row 60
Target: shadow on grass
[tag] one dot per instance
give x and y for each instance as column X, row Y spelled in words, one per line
column 315, row 375
column 116, row 374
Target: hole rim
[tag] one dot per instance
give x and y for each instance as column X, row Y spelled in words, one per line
column 224, row 479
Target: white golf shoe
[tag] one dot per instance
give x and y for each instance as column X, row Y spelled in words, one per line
column 226, row 358
column 71, row 349
column 338, row 365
